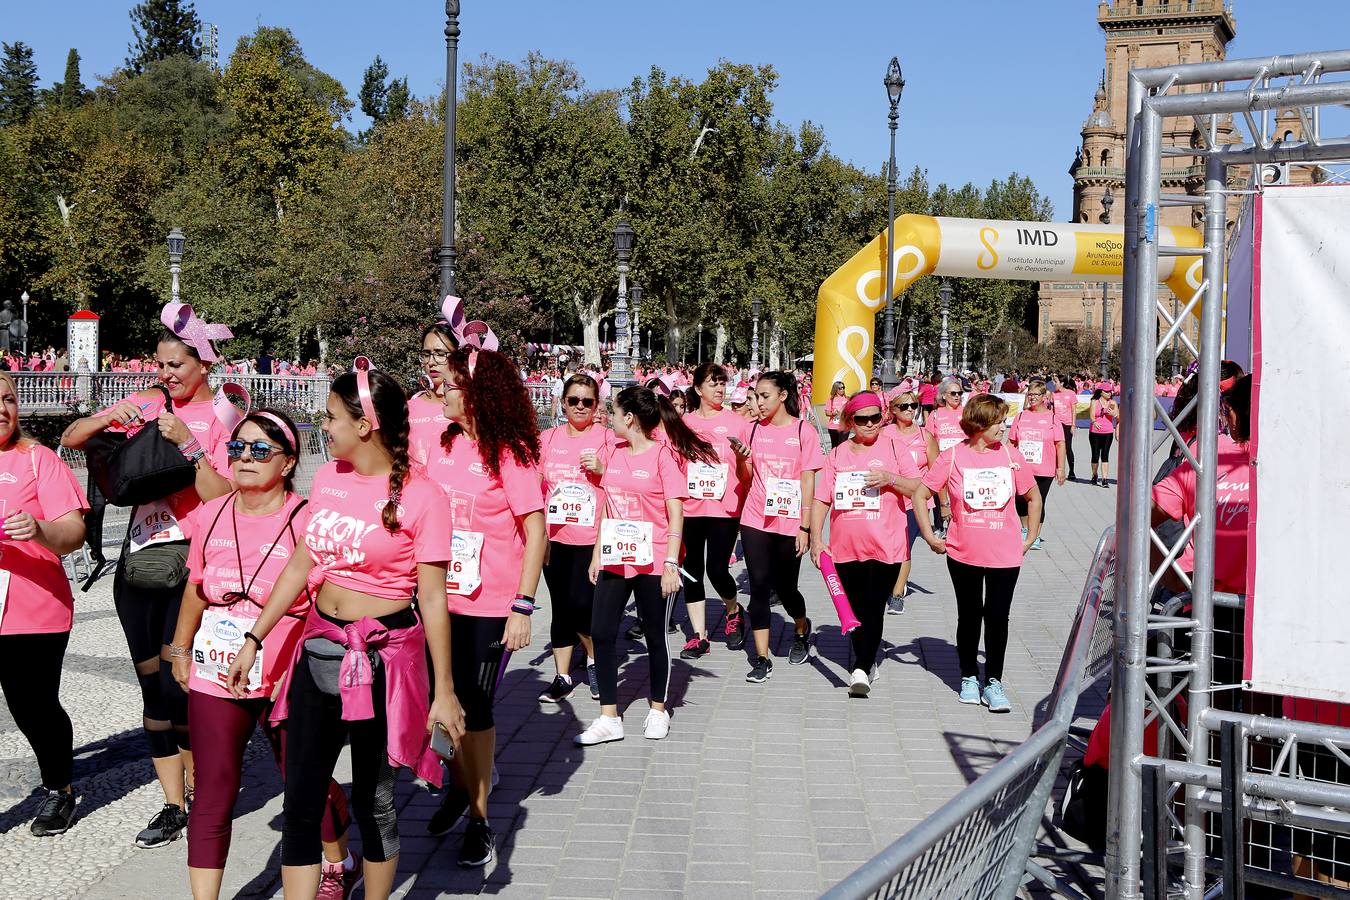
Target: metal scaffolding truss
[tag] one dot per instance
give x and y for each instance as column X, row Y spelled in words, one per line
column 1252, row 92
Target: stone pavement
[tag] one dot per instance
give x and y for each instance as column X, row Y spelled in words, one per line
column 774, row 790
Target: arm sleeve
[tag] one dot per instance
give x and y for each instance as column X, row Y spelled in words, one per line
column 524, row 487
column 674, row 482
column 1022, row 477
column 57, row 489
column 1172, row 493
column 196, row 560
column 1013, row 432
column 935, row 479
column 812, row 457
column 429, row 517
column 825, row 482
column 1057, row 433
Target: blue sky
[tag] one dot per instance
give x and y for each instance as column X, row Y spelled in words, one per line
column 993, row 86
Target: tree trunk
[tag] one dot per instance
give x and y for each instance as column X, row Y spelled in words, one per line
column 720, row 349
column 588, row 313
column 81, row 299
column 672, row 330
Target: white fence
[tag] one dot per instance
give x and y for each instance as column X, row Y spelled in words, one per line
column 60, row 392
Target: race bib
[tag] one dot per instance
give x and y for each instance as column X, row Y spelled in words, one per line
column 1032, row 451
column 154, row 524
column 851, row 492
column 987, row 488
column 218, row 642
column 944, row 443
column 783, row 497
column 570, row 503
column 625, row 542
column 4, row 592
column 708, row 481
column 464, row 573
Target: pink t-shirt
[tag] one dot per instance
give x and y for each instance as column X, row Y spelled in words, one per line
column 928, row 394
column 944, row 424
column 1102, row 420
column 1065, row 403
column 982, row 537
column 1038, row 433
column 637, row 486
column 226, row 538
column 718, row 430
column 1175, row 495
column 38, row 601
column 346, row 537
column 490, row 507
column 915, row 446
column 858, row 534
column 559, row 463
column 834, row 407
column 778, row 452
column 426, row 424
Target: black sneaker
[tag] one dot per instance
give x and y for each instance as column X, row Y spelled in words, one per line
column 695, row 648
column 735, row 627
column 593, row 682
column 761, row 670
column 166, row 827
column 801, row 647
column 557, row 691
column 453, row 805
column 55, row 814
column 1094, row 479
column 896, row 605
column 479, row 845
column 635, row 633
column 671, row 627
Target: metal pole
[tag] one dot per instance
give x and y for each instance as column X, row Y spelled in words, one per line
column 909, row 347
column 965, row 343
column 1107, row 200
column 754, row 340
column 888, row 377
column 1176, row 341
column 700, row 342
column 447, row 254
column 621, row 374
column 24, row 298
column 944, row 341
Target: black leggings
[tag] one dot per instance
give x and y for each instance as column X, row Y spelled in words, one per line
column 30, row 676
column 868, row 584
column 1043, row 483
column 476, row 665
column 567, row 574
column 772, row 563
column 983, row 596
column 1068, row 446
column 611, row 596
column 708, row 545
column 149, row 617
column 1101, row 445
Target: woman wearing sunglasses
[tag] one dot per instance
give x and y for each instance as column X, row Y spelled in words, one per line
column 1103, row 414
column 922, row 449
column 569, row 458
column 426, row 408
column 241, row 542
column 1036, row 432
column 861, row 486
column 834, row 411
column 944, row 422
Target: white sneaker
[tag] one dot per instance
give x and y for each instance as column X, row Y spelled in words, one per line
column 601, row 731
column 657, row 725
column 860, row 686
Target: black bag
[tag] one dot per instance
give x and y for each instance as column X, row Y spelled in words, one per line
column 139, row 469
column 156, row 567
column 1084, row 811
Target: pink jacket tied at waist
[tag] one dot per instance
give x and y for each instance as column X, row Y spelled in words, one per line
column 406, row 690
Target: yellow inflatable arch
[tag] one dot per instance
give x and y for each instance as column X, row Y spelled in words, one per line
column 848, row 301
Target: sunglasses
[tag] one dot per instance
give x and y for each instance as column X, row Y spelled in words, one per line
column 583, row 402
column 904, row 406
column 258, row 451
column 954, row 393
column 438, row 356
column 873, row 419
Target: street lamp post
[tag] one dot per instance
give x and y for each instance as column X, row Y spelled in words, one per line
column 700, row 342
column 944, row 339
column 620, row 375
column 909, row 350
column 965, row 343
column 24, row 298
column 604, row 327
column 1107, row 201
column 754, row 340
column 177, row 243
column 447, row 254
column 635, row 292
column 895, row 85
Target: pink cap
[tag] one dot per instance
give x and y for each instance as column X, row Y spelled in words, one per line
column 739, row 395
column 1106, row 386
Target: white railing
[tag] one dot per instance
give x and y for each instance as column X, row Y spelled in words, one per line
column 48, row 392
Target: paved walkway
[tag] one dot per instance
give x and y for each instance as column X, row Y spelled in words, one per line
column 777, row 790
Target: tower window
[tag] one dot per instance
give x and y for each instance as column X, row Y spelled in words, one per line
column 1088, row 323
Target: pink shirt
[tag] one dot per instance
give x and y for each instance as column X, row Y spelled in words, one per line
column 1175, row 495
column 224, row 539
column 1102, row 420
column 778, row 451
column 346, row 537
column 34, row 480
column 637, row 486
column 718, row 430
column 858, row 534
column 426, row 424
column 559, row 462
column 834, row 407
column 492, row 507
column 982, row 537
column 1038, row 432
column 944, row 424
column 928, row 394
column 916, row 446
column 1066, row 402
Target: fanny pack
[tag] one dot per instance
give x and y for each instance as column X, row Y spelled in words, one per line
column 158, row 566
column 324, row 656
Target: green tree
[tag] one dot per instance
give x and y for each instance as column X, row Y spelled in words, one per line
column 70, row 93
column 175, row 106
column 162, row 28
column 373, row 90
column 397, row 100
column 18, row 83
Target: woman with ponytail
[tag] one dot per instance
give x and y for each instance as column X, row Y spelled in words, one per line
column 376, row 532
column 488, row 466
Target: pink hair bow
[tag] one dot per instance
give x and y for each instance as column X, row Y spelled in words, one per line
column 475, row 334
column 192, row 330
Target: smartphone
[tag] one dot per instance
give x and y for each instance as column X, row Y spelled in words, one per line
column 737, row 445
column 441, row 744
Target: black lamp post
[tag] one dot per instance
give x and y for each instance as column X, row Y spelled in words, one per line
column 754, row 340
column 447, row 254
column 895, row 85
column 944, row 338
column 177, row 243
column 1107, row 202
column 635, row 292
column 620, row 374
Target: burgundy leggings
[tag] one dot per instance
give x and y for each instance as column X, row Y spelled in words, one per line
column 222, row 728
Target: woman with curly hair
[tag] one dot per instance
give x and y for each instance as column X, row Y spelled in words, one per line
column 488, row 466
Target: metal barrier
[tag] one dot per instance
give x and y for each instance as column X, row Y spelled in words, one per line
column 979, row 843
column 64, row 392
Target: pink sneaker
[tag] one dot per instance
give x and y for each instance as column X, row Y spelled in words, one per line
column 336, row 883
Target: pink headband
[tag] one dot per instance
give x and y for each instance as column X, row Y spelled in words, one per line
column 475, row 334
column 280, row 423
column 361, row 366
column 193, row 331
column 862, row 400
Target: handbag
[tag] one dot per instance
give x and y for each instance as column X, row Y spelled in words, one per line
column 139, row 469
column 1083, row 814
column 158, row 566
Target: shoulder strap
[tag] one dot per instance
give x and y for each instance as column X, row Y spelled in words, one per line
column 752, row 434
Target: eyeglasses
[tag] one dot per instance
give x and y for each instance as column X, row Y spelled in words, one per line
column 873, row 419
column 438, row 356
column 1041, row 394
column 583, row 402
column 905, row 406
column 258, row 451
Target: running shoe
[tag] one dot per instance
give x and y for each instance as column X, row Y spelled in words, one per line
column 336, row 882
column 859, row 685
column 896, row 605
column 970, row 690
column 453, row 806
column 735, row 630
column 994, row 698
column 801, row 647
column 55, row 814
column 1036, row 544
column 479, row 845
column 1105, row 484
column 635, row 633
column 760, row 671
column 695, row 648
column 558, row 690
column 657, row 724
column 601, row 731
column 1094, row 479
column 593, row 682
column 166, row 827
